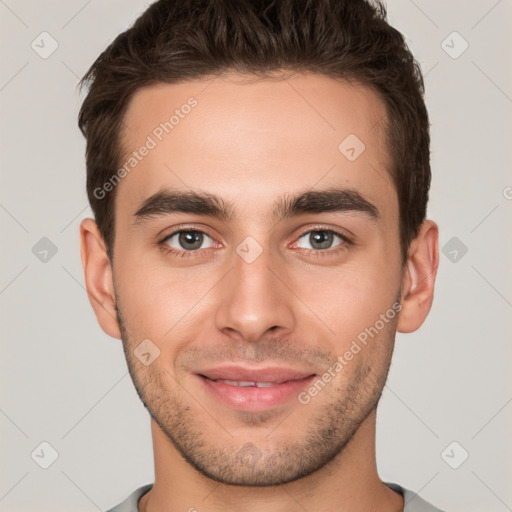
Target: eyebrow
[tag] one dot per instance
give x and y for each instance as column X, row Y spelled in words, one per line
column 166, row 202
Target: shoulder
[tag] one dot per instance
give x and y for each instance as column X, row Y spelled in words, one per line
column 130, row 504
column 412, row 501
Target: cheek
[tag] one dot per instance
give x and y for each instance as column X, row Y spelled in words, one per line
column 349, row 298
column 158, row 300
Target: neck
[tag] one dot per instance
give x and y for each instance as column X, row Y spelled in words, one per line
column 348, row 482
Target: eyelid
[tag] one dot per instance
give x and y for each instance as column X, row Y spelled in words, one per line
column 182, row 253
column 337, row 231
column 176, row 233
column 185, row 227
column 346, row 240
column 345, row 244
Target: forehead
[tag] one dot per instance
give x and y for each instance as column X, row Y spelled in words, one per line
column 251, row 139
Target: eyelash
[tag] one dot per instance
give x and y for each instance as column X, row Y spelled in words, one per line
column 344, row 245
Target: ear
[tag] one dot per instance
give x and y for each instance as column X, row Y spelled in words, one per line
column 419, row 278
column 98, row 277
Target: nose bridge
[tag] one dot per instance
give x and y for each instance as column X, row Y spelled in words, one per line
column 254, row 300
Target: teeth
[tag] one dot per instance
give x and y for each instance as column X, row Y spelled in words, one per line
column 246, row 383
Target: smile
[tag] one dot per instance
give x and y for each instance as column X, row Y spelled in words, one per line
column 254, row 395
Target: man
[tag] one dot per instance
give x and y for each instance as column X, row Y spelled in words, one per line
column 259, row 175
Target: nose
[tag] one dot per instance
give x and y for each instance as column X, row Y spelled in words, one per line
column 255, row 299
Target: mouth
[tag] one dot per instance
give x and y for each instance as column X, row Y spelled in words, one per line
column 247, row 384
column 254, row 389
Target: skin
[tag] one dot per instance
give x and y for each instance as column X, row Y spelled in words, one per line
column 251, row 142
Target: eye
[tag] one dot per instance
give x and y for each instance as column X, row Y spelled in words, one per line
column 188, row 240
column 320, row 239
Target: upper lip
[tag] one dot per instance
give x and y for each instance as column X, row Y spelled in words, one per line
column 268, row 374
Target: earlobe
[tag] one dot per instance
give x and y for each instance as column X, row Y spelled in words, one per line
column 98, row 277
column 419, row 278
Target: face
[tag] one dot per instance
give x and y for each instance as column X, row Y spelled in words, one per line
column 257, row 249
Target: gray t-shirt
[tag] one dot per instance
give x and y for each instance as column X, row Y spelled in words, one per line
column 412, row 502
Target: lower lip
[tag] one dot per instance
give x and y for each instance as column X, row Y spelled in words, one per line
column 252, row 398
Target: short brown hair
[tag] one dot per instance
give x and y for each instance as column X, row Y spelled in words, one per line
column 176, row 40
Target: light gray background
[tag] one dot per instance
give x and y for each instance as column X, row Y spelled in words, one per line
column 65, row 382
